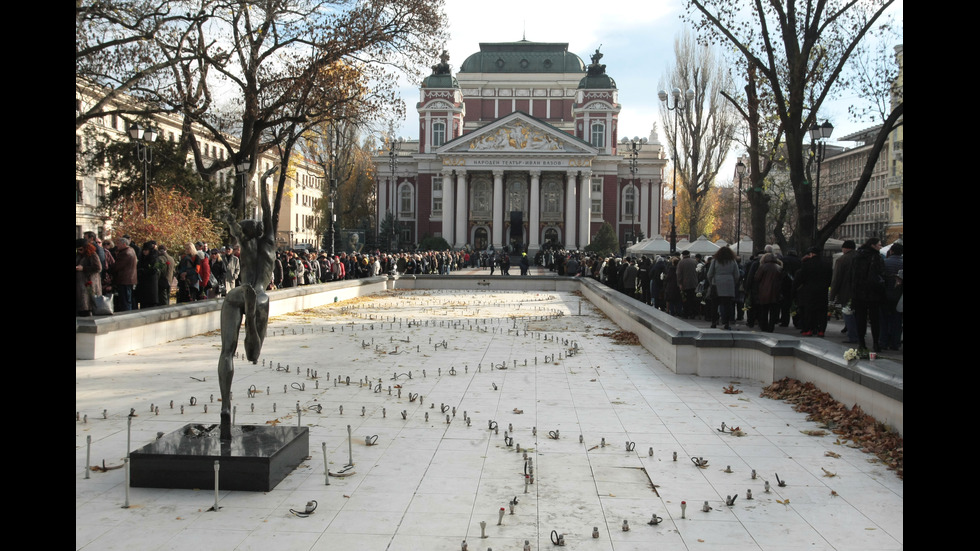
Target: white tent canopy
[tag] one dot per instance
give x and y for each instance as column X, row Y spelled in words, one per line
column 700, row 246
column 650, row 247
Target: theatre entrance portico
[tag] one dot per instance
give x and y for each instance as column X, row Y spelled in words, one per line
column 519, row 179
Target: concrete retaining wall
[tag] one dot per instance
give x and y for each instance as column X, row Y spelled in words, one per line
column 685, row 349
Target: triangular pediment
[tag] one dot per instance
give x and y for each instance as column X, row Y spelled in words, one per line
column 518, row 132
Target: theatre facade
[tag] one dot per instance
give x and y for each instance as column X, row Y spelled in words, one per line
column 518, row 150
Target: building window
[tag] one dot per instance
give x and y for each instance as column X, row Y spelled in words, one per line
column 79, row 189
column 405, row 200
column 551, row 201
column 598, row 135
column 437, row 195
column 629, row 200
column 438, row 134
column 78, row 144
column 596, row 196
column 480, row 199
column 100, row 194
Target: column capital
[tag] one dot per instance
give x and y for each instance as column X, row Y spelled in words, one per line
column 498, row 173
column 460, row 172
column 447, row 172
column 534, row 173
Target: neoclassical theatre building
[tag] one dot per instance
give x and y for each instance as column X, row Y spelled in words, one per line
column 520, row 150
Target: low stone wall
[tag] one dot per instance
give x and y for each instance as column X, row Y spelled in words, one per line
column 877, row 387
column 99, row 337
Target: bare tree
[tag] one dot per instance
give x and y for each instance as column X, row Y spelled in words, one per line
column 800, row 48
column 288, row 65
column 118, row 62
column 705, row 125
column 761, row 138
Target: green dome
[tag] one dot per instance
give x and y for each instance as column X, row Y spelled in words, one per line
column 523, row 57
column 600, row 81
column 440, row 81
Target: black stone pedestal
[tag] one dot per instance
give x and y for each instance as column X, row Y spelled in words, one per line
column 256, row 458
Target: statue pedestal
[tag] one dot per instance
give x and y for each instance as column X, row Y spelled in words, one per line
column 256, row 459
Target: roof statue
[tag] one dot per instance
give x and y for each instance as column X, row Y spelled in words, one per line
column 442, row 68
column 596, row 69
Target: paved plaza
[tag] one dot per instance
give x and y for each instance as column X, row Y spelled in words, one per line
column 534, row 364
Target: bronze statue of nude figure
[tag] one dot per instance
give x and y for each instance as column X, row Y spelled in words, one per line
column 258, row 245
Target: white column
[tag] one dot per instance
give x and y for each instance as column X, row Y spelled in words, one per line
column 570, row 215
column 461, row 201
column 584, row 209
column 498, row 209
column 644, row 213
column 533, row 229
column 447, row 206
column 382, row 202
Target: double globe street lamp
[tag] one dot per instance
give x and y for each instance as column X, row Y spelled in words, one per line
column 679, row 108
column 819, row 134
column 632, row 154
column 144, row 138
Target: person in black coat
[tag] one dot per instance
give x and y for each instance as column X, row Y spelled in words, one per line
column 810, row 286
column 868, row 287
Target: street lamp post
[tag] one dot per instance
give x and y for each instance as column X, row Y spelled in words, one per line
column 332, row 183
column 393, row 160
column 740, row 170
column 632, row 155
column 144, row 138
column 678, row 107
column 241, row 170
column 819, row 134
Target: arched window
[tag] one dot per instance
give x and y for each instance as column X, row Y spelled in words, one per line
column 598, row 135
column 438, row 133
column 406, row 200
column 629, row 200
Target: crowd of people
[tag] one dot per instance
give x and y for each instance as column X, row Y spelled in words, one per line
column 138, row 277
column 860, row 285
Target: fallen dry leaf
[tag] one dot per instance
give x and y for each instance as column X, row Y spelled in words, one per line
column 855, row 428
column 622, row 337
column 814, row 432
column 829, row 453
column 827, row 473
column 730, row 389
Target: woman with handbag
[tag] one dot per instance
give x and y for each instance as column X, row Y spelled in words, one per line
column 723, row 274
column 88, row 277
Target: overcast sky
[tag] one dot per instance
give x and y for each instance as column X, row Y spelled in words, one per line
column 636, row 38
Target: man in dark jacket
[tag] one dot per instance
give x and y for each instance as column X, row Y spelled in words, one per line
column 868, row 283
column 810, row 287
column 687, row 279
column 124, row 274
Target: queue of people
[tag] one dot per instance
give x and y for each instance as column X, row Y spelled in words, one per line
column 769, row 290
column 137, row 277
